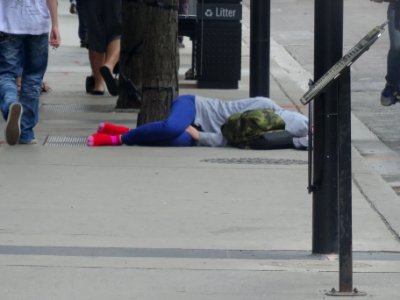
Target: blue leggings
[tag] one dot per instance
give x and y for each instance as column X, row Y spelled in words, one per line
column 169, row 132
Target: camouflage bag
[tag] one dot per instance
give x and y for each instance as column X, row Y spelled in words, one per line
column 242, row 129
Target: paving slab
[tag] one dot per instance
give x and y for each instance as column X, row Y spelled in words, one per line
column 182, row 223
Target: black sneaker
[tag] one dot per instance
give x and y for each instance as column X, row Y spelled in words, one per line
column 13, row 126
column 388, row 96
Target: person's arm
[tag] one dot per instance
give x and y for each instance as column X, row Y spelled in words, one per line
column 211, row 139
column 194, row 133
column 55, row 38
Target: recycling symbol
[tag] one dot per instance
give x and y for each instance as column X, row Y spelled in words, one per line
column 208, row 13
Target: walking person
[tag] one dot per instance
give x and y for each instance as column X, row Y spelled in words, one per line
column 27, row 27
column 76, row 8
column 196, row 121
column 182, row 10
column 104, row 29
column 391, row 93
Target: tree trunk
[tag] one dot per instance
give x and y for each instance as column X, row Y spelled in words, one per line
column 149, row 57
column 131, row 56
column 160, row 62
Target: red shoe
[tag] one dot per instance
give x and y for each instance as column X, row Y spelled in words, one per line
column 111, row 129
column 101, row 139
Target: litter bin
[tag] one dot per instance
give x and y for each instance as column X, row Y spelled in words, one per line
column 217, row 46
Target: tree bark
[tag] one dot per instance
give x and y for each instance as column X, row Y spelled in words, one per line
column 160, row 65
column 149, row 56
column 131, row 56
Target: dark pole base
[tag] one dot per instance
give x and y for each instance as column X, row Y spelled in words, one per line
column 353, row 293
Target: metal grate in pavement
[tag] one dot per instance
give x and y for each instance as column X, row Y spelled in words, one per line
column 256, row 161
column 65, row 141
column 78, row 107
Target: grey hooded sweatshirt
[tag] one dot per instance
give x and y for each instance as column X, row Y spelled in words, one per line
column 211, row 114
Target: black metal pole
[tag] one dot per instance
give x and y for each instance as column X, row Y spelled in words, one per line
column 328, row 49
column 344, row 175
column 260, row 19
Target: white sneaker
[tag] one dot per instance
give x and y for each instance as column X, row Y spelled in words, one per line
column 301, row 142
column 13, row 126
column 30, row 142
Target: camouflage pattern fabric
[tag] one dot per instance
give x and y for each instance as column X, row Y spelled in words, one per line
column 242, row 129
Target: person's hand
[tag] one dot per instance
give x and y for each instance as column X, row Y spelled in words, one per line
column 54, row 39
column 194, row 133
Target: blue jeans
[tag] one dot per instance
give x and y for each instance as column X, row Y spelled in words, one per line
column 29, row 52
column 393, row 58
column 169, row 132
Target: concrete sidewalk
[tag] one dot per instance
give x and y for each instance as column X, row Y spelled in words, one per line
column 178, row 223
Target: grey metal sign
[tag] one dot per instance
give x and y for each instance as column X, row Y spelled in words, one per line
column 351, row 56
column 220, row 11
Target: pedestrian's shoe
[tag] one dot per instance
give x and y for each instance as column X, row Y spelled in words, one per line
column 97, row 93
column 72, row 8
column 28, row 142
column 13, row 126
column 388, row 96
column 189, row 74
column 110, row 81
column 89, row 84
